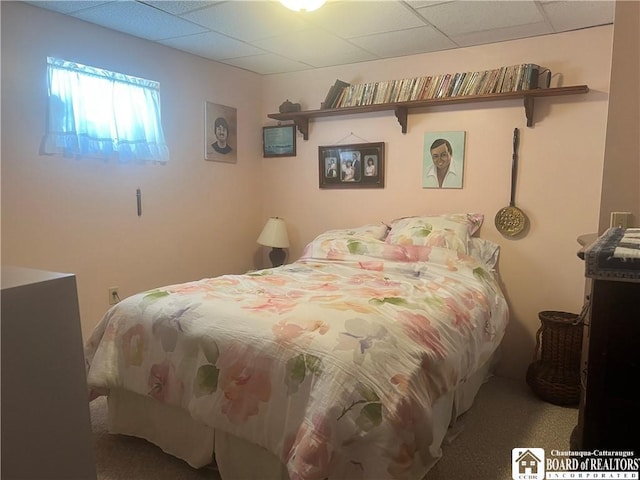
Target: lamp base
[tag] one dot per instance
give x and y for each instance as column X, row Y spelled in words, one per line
column 277, row 256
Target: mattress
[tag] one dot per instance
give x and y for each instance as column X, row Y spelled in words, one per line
column 333, row 364
column 178, row 434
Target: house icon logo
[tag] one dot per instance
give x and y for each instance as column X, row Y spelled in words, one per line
column 527, row 464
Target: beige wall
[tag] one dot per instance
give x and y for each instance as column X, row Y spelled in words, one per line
column 621, row 177
column 559, row 179
column 79, row 216
column 199, row 218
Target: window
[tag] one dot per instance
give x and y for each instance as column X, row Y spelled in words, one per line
column 98, row 113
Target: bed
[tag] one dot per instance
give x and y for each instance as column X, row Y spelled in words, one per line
column 350, row 362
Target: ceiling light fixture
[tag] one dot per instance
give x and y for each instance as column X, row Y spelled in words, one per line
column 303, row 5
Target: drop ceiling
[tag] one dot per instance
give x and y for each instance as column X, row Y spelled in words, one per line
column 266, row 38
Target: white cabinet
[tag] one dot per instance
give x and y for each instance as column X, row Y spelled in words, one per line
column 46, row 429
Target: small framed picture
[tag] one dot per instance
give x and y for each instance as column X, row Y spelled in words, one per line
column 279, row 141
column 443, row 160
column 352, row 166
column 220, row 133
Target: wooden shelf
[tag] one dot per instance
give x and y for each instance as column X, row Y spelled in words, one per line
column 401, row 109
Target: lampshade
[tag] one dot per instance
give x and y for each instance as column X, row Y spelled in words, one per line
column 274, row 234
column 302, row 5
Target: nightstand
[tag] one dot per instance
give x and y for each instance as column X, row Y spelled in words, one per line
column 609, row 415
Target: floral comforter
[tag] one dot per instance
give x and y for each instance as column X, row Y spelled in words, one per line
column 332, row 363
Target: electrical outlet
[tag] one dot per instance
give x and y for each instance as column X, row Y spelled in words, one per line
column 621, row 219
column 114, row 297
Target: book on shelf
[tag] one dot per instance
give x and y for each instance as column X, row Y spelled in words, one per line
column 457, row 86
column 411, row 83
column 402, row 93
column 383, row 90
column 407, row 89
column 530, row 76
column 507, row 86
column 377, row 91
column 388, row 98
column 500, row 82
column 536, row 76
column 346, row 96
column 373, row 93
column 425, row 87
column 434, row 86
column 446, row 91
column 490, row 85
column 483, row 80
column 517, row 78
column 352, row 93
column 449, row 88
column 444, row 86
column 478, row 82
column 402, row 87
column 523, row 76
column 366, row 93
column 333, row 94
column 505, row 79
column 341, row 98
column 410, row 87
column 468, row 82
column 417, row 88
column 360, row 93
column 355, row 99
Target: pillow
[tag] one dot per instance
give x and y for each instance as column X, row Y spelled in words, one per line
column 485, row 250
column 372, row 231
column 452, row 231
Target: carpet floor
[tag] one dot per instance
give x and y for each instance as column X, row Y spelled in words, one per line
column 505, row 415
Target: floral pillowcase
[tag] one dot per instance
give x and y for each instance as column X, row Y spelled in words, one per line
column 451, row 231
column 372, row 232
column 338, row 241
column 486, row 251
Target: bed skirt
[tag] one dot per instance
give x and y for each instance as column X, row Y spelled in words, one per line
column 178, row 434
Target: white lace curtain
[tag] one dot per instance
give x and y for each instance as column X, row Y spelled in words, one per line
column 98, row 113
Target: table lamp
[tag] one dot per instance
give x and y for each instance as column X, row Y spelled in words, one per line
column 274, row 235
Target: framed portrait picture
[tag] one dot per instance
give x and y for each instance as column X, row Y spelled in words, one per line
column 279, row 141
column 443, row 160
column 352, row 166
column 220, row 133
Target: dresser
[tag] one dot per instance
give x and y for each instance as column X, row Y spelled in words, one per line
column 609, row 415
column 46, row 430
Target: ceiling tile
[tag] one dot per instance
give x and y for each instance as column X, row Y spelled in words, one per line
column 460, row 17
column 267, row 64
column 574, row 15
column 315, row 47
column 424, row 3
column 248, row 20
column 355, row 19
column 179, row 7
column 212, row 45
column 404, row 42
column 138, row 19
column 66, row 7
column 321, row 59
column 502, row 34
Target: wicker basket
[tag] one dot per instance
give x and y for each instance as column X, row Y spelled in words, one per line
column 555, row 373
